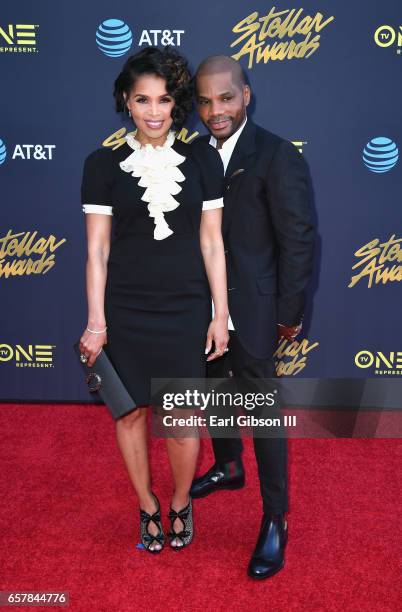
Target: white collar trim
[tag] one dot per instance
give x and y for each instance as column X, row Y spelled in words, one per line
column 230, row 142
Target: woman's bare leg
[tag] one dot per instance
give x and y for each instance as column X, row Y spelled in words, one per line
column 131, row 435
column 183, row 454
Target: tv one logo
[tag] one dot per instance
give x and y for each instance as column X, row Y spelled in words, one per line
column 18, row 38
column 30, row 356
column 114, row 37
column 387, row 36
column 384, row 363
column 36, row 152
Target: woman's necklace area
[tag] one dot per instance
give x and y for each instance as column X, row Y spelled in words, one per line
column 156, row 167
column 132, row 140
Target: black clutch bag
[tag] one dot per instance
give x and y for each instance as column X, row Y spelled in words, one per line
column 103, row 379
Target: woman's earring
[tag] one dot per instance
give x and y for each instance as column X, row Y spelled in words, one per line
column 129, row 112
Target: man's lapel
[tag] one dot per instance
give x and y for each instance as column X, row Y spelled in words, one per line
column 245, row 147
column 237, row 167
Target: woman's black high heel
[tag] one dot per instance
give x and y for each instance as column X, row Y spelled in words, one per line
column 147, row 538
column 186, row 517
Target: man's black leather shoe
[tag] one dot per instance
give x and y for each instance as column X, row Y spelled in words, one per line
column 220, row 476
column 268, row 557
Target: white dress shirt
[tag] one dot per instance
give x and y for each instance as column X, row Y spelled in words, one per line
column 226, row 153
column 228, row 146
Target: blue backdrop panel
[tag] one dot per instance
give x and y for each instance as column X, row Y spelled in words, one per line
column 341, row 91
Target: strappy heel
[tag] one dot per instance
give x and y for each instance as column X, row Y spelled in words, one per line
column 147, row 538
column 185, row 515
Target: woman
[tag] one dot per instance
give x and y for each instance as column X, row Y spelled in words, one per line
column 147, row 288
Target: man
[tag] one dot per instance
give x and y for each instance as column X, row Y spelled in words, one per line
column 269, row 241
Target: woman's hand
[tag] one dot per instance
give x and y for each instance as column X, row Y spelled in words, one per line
column 91, row 345
column 219, row 335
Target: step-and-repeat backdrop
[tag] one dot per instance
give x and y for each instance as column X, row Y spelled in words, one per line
column 325, row 75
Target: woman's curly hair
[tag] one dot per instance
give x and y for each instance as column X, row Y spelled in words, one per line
column 169, row 65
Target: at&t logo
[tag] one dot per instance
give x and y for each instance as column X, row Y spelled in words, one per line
column 3, row 152
column 114, row 37
column 380, row 154
column 18, row 38
column 387, row 36
column 28, row 152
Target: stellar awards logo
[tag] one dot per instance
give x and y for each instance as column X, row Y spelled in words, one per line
column 292, row 357
column 26, row 253
column 279, row 35
column 378, row 262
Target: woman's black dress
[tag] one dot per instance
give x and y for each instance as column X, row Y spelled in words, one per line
column 157, row 298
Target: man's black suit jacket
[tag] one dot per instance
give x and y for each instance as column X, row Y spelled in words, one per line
column 269, row 237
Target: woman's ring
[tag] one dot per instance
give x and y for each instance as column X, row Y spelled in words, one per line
column 83, row 358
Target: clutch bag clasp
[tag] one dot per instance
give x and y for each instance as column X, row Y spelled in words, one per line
column 94, row 382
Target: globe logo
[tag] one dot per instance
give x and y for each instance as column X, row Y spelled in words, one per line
column 380, row 154
column 114, row 37
column 3, row 152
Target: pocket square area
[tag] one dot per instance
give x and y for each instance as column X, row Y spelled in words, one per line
column 237, row 172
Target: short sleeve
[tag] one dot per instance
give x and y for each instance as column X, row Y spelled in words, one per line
column 212, row 173
column 96, row 186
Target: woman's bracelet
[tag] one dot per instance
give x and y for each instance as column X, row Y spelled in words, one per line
column 96, row 332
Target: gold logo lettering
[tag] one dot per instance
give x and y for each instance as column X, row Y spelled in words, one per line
column 118, row 138
column 20, row 247
column 379, row 262
column 278, row 25
column 297, row 351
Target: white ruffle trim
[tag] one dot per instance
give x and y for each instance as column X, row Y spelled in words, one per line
column 158, row 172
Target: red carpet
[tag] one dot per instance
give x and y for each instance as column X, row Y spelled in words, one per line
column 69, row 522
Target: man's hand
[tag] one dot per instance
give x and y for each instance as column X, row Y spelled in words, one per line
column 289, row 333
